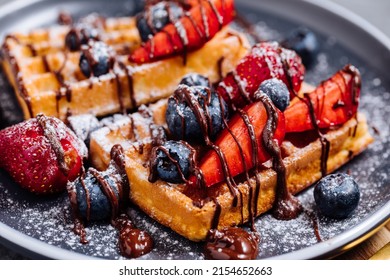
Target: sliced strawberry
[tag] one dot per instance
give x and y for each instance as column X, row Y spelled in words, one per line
column 266, row 60
column 191, row 32
column 41, row 154
column 333, row 103
column 235, row 143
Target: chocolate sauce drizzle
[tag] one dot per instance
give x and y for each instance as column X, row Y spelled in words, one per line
column 325, row 144
column 355, row 88
column 78, row 225
column 130, row 82
column 286, row 206
column 253, row 194
column 113, row 61
column 49, row 131
column 80, row 33
column 153, row 161
column 65, row 88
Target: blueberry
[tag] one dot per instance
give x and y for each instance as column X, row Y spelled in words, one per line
column 195, row 79
column 143, row 28
column 173, row 161
column 184, row 123
column 337, row 195
column 277, row 91
column 80, row 35
column 304, row 42
column 156, row 17
column 95, row 57
column 100, row 207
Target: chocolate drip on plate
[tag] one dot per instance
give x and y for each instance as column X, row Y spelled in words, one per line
column 231, row 244
column 133, row 242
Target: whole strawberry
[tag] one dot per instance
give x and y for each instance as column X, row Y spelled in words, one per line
column 41, row 154
column 265, row 61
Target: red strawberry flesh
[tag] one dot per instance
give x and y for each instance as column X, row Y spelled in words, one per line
column 31, row 157
column 265, row 61
column 236, row 144
column 190, row 32
column 334, row 102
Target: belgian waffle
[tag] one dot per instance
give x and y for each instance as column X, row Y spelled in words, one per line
column 47, row 78
column 176, row 207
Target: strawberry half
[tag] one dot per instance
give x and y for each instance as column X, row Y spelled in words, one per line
column 41, row 154
column 266, row 60
column 236, row 144
column 333, row 103
column 192, row 31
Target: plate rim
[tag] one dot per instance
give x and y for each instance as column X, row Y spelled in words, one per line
column 29, row 246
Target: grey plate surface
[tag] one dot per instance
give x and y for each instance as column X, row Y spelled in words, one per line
column 41, row 227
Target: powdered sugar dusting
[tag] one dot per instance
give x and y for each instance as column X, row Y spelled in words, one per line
column 49, row 218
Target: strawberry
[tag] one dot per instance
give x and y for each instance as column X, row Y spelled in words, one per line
column 235, row 143
column 204, row 19
column 266, row 60
column 41, row 154
column 333, row 103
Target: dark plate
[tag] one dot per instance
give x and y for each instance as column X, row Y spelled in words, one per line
column 42, row 227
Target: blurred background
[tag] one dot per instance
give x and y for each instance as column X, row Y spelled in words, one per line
column 376, row 12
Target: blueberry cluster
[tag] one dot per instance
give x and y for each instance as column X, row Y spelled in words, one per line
column 195, row 114
column 156, row 16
